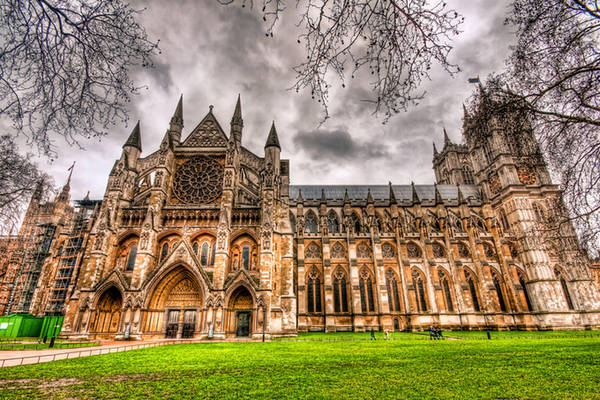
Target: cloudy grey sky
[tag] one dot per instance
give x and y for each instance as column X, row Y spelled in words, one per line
column 210, row 53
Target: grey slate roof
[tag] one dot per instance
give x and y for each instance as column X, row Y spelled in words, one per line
column 382, row 192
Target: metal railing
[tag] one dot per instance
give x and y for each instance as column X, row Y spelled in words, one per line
column 95, row 351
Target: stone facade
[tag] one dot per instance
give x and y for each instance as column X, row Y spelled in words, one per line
column 203, row 238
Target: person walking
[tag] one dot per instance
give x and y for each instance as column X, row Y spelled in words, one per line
column 431, row 333
column 373, row 334
column 387, row 334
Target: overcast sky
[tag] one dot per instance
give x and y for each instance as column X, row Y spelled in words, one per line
column 210, row 53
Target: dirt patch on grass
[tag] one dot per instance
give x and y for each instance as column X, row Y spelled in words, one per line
column 42, row 384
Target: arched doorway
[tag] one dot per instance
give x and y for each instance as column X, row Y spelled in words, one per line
column 240, row 306
column 108, row 311
column 174, row 310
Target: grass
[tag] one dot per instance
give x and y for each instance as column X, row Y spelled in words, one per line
column 524, row 368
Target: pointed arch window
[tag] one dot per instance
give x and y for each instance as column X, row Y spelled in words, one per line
column 524, row 289
column 131, row 258
column 164, row 251
column 387, row 250
column 356, row 224
column 498, row 288
column 195, row 248
column 467, row 174
column 367, row 300
column 314, row 293
column 392, row 289
column 204, row 254
column 340, row 292
column 337, row 251
column 246, row 257
column 332, row 223
column 413, row 250
column 472, row 291
column 310, row 223
column 419, row 291
column 565, row 288
column 438, row 250
column 446, row 290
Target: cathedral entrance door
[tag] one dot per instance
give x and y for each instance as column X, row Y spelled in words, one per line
column 243, row 323
column 189, row 324
column 172, row 323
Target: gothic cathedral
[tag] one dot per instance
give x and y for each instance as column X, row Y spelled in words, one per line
column 203, row 238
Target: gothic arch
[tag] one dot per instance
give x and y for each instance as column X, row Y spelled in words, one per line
column 314, row 290
column 341, row 298
column 414, row 250
column 108, row 310
column 243, row 253
column 333, row 222
column 128, row 234
column 366, row 281
column 500, row 289
column 168, row 280
column 150, row 285
column 311, row 222
column 392, row 283
column 240, row 232
column 338, row 250
column 169, row 232
column 419, row 286
column 241, row 310
column 446, row 288
column 471, row 281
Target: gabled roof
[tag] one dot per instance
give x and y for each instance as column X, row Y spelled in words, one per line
column 208, row 133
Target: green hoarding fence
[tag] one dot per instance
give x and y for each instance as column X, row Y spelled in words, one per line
column 51, row 326
column 20, row 325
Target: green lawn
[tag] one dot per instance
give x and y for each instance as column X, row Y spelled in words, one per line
column 523, row 368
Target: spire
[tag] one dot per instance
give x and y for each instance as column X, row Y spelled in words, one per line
column 87, row 196
column 369, row 197
column 346, row 197
column 273, row 140
column 465, row 112
column 435, row 152
column 323, row 198
column 237, row 113
column 135, row 139
column 64, row 194
column 415, row 196
column 392, row 195
column 237, row 123
column 299, row 199
column 446, row 138
column 178, row 114
column 438, row 196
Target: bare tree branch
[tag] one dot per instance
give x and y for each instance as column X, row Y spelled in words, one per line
column 395, row 41
column 64, row 66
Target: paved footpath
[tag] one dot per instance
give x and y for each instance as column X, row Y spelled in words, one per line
column 9, row 358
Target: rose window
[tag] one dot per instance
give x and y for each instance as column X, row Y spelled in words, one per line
column 198, row 180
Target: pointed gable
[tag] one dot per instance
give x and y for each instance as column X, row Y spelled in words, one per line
column 208, row 133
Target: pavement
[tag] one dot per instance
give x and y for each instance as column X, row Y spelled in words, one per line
column 9, row 358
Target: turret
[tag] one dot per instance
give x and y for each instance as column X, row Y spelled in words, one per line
column 133, row 146
column 176, row 125
column 237, row 123
column 64, row 195
column 272, row 148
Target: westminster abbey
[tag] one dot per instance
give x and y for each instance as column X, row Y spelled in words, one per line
column 203, row 238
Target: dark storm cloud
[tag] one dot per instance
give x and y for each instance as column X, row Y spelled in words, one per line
column 210, row 53
column 336, row 144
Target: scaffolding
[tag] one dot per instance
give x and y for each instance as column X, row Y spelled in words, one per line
column 70, row 255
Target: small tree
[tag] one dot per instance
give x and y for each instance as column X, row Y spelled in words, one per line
column 19, row 178
column 64, row 66
column 555, row 69
column 396, row 41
